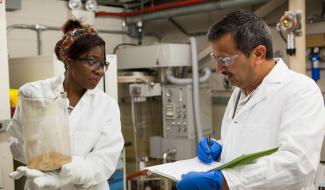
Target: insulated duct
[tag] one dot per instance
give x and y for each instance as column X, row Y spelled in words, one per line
column 188, row 10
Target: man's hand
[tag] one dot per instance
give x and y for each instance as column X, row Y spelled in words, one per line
column 207, row 153
column 201, row 181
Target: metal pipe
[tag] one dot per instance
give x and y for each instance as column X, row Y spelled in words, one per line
column 39, row 28
column 196, row 89
column 39, row 42
column 113, row 31
column 169, row 152
column 19, row 26
column 187, row 10
column 44, row 27
column 174, row 80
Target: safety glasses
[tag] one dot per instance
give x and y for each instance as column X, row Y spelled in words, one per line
column 94, row 64
column 224, row 60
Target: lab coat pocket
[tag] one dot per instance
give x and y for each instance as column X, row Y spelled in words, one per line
column 83, row 142
column 255, row 137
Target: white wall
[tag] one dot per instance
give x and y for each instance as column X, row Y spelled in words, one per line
column 4, row 74
column 6, row 164
column 47, row 12
column 23, row 42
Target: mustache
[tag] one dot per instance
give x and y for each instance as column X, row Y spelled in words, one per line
column 226, row 73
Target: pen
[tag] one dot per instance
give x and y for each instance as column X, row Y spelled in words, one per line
column 209, row 144
column 209, row 140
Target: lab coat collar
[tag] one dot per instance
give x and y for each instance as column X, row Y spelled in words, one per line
column 59, row 84
column 276, row 75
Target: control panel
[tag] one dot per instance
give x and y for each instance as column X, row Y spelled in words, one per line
column 178, row 118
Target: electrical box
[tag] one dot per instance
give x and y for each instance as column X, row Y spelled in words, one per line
column 13, row 5
column 154, row 56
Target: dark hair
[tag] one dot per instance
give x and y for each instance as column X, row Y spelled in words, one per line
column 82, row 44
column 247, row 29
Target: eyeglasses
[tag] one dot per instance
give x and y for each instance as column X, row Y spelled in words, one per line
column 224, row 60
column 94, row 64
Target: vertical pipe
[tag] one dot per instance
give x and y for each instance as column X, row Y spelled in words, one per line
column 196, row 89
column 39, row 42
column 298, row 61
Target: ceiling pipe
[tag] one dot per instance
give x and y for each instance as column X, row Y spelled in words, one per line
column 192, row 9
column 152, row 9
column 269, row 7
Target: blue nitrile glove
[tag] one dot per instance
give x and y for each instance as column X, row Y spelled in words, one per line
column 200, row 181
column 207, row 153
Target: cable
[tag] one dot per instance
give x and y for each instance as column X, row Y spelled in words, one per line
column 123, row 44
column 282, row 36
column 323, row 9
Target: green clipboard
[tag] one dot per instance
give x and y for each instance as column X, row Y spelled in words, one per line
column 246, row 158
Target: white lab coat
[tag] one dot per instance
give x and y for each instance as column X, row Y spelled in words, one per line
column 287, row 111
column 94, row 127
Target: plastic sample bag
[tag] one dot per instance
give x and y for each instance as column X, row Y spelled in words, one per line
column 45, row 132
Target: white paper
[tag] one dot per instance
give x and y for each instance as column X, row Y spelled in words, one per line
column 175, row 170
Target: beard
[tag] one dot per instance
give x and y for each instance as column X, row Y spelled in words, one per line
column 227, row 74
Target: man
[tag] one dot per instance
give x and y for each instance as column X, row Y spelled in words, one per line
column 272, row 106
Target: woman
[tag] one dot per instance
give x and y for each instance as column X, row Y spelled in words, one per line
column 94, row 120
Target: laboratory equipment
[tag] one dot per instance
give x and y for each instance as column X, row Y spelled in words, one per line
column 314, row 58
column 178, row 122
column 290, row 23
column 156, row 99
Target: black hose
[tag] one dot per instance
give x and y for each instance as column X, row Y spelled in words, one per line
column 123, row 44
column 282, row 36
